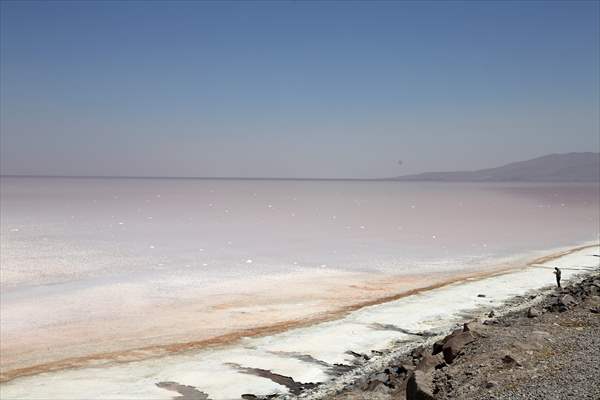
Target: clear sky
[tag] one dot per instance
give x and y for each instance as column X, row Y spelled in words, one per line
column 294, row 89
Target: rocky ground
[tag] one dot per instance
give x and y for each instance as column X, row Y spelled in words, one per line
column 550, row 350
column 542, row 346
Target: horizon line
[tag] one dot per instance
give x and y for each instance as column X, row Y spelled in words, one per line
column 232, row 178
column 238, row 178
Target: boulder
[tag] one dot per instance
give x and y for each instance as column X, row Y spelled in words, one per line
column 562, row 303
column 419, row 386
column 533, row 312
column 438, row 346
column 567, row 300
column 452, row 348
column 509, row 359
column 430, row 361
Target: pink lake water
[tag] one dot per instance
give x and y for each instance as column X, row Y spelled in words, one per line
column 105, row 265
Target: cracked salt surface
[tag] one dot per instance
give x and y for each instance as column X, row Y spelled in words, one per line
column 305, row 354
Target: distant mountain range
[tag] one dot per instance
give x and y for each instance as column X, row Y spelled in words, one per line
column 569, row 167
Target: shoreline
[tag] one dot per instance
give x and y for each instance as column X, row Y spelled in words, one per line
column 152, row 352
column 516, row 351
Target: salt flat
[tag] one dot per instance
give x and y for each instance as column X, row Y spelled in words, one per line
column 220, row 372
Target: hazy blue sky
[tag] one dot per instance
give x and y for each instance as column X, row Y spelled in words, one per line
column 338, row 89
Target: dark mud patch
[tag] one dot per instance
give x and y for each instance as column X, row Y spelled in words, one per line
column 394, row 328
column 186, row 392
column 287, row 381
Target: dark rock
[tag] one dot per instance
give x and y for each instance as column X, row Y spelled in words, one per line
column 402, row 370
column 419, row 386
column 491, row 384
column 481, row 295
column 491, row 314
column 438, row 346
column 509, row 359
column 455, row 344
column 562, row 303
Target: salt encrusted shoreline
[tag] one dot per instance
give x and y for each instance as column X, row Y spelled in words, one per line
column 543, row 345
column 336, row 360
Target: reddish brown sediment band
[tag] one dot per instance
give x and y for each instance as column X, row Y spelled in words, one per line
column 159, row 350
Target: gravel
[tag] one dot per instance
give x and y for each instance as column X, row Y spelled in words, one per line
column 552, row 353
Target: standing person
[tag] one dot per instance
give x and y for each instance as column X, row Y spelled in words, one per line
column 557, row 272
